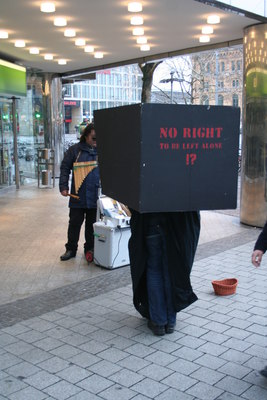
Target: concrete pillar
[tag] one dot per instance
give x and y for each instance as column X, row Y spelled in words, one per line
column 253, row 203
column 54, row 121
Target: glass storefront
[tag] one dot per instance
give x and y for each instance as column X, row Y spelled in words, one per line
column 30, row 133
column 7, row 165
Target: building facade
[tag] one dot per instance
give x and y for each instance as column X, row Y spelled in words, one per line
column 111, row 88
column 218, row 77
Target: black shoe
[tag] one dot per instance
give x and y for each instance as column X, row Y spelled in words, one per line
column 263, row 372
column 67, row 255
column 158, row 330
column 169, row 328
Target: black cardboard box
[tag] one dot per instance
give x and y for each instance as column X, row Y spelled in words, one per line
column 166, row 157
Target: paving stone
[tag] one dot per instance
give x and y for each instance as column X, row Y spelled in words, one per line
column 133, row 363
column 183, row 366
column 84, row 360
column 48, row 343
column 233, row 385
column 74, row 374
column 140, row 350
column 235, row 356
column 212, row 348
column 207, row 375
column 66, row 351
column 54, row 364
column 113, row 355
column 202, row 391
column 173, row 394
column 117, row 392
column 28, row 393
column 8, row 360
column 127, row 378
column 62, row 390
column 193, row 342
column 6, row 339
column 237, row 344
column 165, row 345
column 210, row 361
column 19, row 348
column 84, row 395
column 255, row 393
column 161, row 358
column 41, row 380
column 93, row 347
column 95, row 384
column 156, row 372
column 149, row 388
column 120, row 342
column 235, row 370
column 179, row 381
column 237, row 333
column 104, row 368
column 31, row 336
column 23, row 369
column 10, row 385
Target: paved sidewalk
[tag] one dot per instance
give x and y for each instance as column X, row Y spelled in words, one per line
column 82, row 339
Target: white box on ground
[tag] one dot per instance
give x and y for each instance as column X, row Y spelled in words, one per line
column 111, row 245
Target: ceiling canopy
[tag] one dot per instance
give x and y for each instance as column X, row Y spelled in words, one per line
column 171, row 27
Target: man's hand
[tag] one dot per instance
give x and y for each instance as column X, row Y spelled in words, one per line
column 65, row 193
column 256, row 257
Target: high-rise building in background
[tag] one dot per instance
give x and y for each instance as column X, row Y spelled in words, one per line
column 110, row 88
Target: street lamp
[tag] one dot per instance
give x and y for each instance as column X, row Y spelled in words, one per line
column 171, row 79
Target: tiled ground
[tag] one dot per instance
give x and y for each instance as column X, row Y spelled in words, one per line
column 80, row 337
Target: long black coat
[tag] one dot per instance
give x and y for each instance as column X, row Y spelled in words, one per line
column 182, row 233
column 88, row 192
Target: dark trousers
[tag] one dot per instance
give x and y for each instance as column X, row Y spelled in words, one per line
column 76, row 218
column 159, row 290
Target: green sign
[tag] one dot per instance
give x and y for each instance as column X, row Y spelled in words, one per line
column 12, row 79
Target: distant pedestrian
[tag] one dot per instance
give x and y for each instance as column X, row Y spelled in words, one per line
column 256, row 258
column 81, row 156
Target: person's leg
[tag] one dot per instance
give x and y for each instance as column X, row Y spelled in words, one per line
column 76, row 218
column 89, row 229
column 155, row 286
column 171, row 312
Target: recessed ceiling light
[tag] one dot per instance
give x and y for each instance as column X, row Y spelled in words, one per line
column 89, row 49
column 60, row 21
column 213, row 19
column 207, row 30
column 62, row 62
column 48, row 7
column 137, row 20
column 204, row 39
column 138, row 31
column 34, row 50
column 48, row 56
column 98, row 54
column 69, row 32
column 20, row 43
column 141, row 40
column 3, row 35
column 135, row 6
column 145, row 47
column 80, row 42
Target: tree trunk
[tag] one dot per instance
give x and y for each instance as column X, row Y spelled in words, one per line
column 147, row 70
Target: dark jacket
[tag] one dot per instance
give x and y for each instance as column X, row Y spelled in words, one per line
column 261, row 243
column 88, row 191
column 182, row 232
